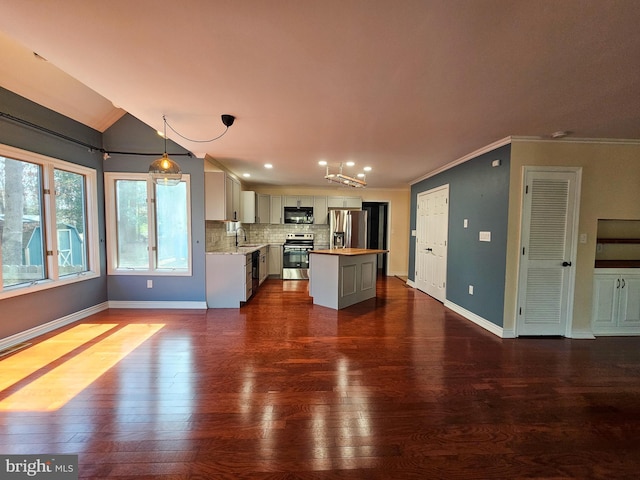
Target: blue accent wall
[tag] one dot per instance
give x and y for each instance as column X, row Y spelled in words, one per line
column 31, row 310
column 130, row 134
column 479, row 193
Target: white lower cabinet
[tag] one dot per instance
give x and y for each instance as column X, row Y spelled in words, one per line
column 616, row 303
column 263, row 267
column 275, row 259
column 228, row 280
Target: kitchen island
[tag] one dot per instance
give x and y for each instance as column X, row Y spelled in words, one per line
column 340, row 277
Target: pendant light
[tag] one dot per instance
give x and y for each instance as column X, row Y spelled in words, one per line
column 165, row 171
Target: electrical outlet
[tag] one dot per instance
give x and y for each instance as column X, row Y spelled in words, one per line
column 470, row 289
column 149, row 283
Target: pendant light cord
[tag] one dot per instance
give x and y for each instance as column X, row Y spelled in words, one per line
column 190, row 139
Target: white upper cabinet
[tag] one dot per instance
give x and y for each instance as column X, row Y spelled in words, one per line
column 320, row 211
column 248, row 201
column 263, row 208
column 222, row 196
column 276, row 210
column 354, row 203
column 298, row 201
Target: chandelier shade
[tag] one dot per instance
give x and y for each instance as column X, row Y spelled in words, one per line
column 165, row 171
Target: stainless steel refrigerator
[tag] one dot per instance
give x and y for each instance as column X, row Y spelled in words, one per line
column 348, row 228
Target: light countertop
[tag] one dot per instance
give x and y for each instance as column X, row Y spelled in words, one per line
column 349, row 251
column 239, row 250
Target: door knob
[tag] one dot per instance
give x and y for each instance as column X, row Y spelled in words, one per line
column 566, row 264
column 429, row 249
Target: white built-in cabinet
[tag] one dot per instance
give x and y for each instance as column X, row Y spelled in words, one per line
column 616, row 302
column 276, row 209
column 222, row 196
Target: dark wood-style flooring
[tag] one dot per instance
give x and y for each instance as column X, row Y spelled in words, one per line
column 397, row 387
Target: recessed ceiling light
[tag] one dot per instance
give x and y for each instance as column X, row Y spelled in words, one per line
column 360, row 175
column 350, row 164
column 322, row 163
column 246, row 175
column 367, row 169
column 268, row 165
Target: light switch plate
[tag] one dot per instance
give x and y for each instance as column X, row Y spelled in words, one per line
column 485, row 236
column 465, row 223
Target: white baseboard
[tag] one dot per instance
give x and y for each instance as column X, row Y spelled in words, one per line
column 411, row 283
column 50, row 326
column 156, row 305
column 478, row 320
column 582, row 335
column 396, row 274
column 508, row 333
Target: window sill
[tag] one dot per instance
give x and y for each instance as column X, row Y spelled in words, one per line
column 46, row 284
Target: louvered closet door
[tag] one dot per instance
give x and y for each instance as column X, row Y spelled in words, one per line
column 547, row 256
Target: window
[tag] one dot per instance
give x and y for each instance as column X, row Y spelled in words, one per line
column 46, row 206
column 148, row 225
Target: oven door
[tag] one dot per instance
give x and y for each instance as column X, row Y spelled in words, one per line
column 295, row 257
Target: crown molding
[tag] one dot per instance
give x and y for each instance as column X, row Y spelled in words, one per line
column 526, row 139
column 474, row 154
column 596, row 141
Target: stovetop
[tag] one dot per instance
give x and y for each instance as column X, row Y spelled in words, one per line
column 299, row 239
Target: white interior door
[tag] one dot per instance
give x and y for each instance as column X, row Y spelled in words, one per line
column 547, row 253
column 432, row 227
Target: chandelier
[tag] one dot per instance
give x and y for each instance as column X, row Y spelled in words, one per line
column 342, row 179
column 165, row 171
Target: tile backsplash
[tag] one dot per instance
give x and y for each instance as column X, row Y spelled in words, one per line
column 217, row 238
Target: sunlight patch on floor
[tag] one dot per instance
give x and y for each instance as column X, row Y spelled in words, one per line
column 54, row 389
column 22, row 364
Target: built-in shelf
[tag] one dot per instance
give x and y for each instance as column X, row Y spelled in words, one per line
column 617, row 264
column 619, row 240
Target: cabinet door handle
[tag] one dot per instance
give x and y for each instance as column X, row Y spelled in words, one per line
column 566, row 264
column 618, row 286
column 623, row 283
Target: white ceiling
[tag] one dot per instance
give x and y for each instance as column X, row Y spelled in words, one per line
column 403, row 86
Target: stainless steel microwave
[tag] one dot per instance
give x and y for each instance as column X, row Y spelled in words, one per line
column 298, row 215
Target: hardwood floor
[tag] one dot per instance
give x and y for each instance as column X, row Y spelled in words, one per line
column 397, row 387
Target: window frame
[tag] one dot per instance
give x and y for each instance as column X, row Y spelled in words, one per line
column 110, row 179
column 92, row 240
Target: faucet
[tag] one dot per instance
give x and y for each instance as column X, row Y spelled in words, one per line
column 245, row 235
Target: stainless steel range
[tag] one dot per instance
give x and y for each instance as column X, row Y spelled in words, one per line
column 295, row 256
